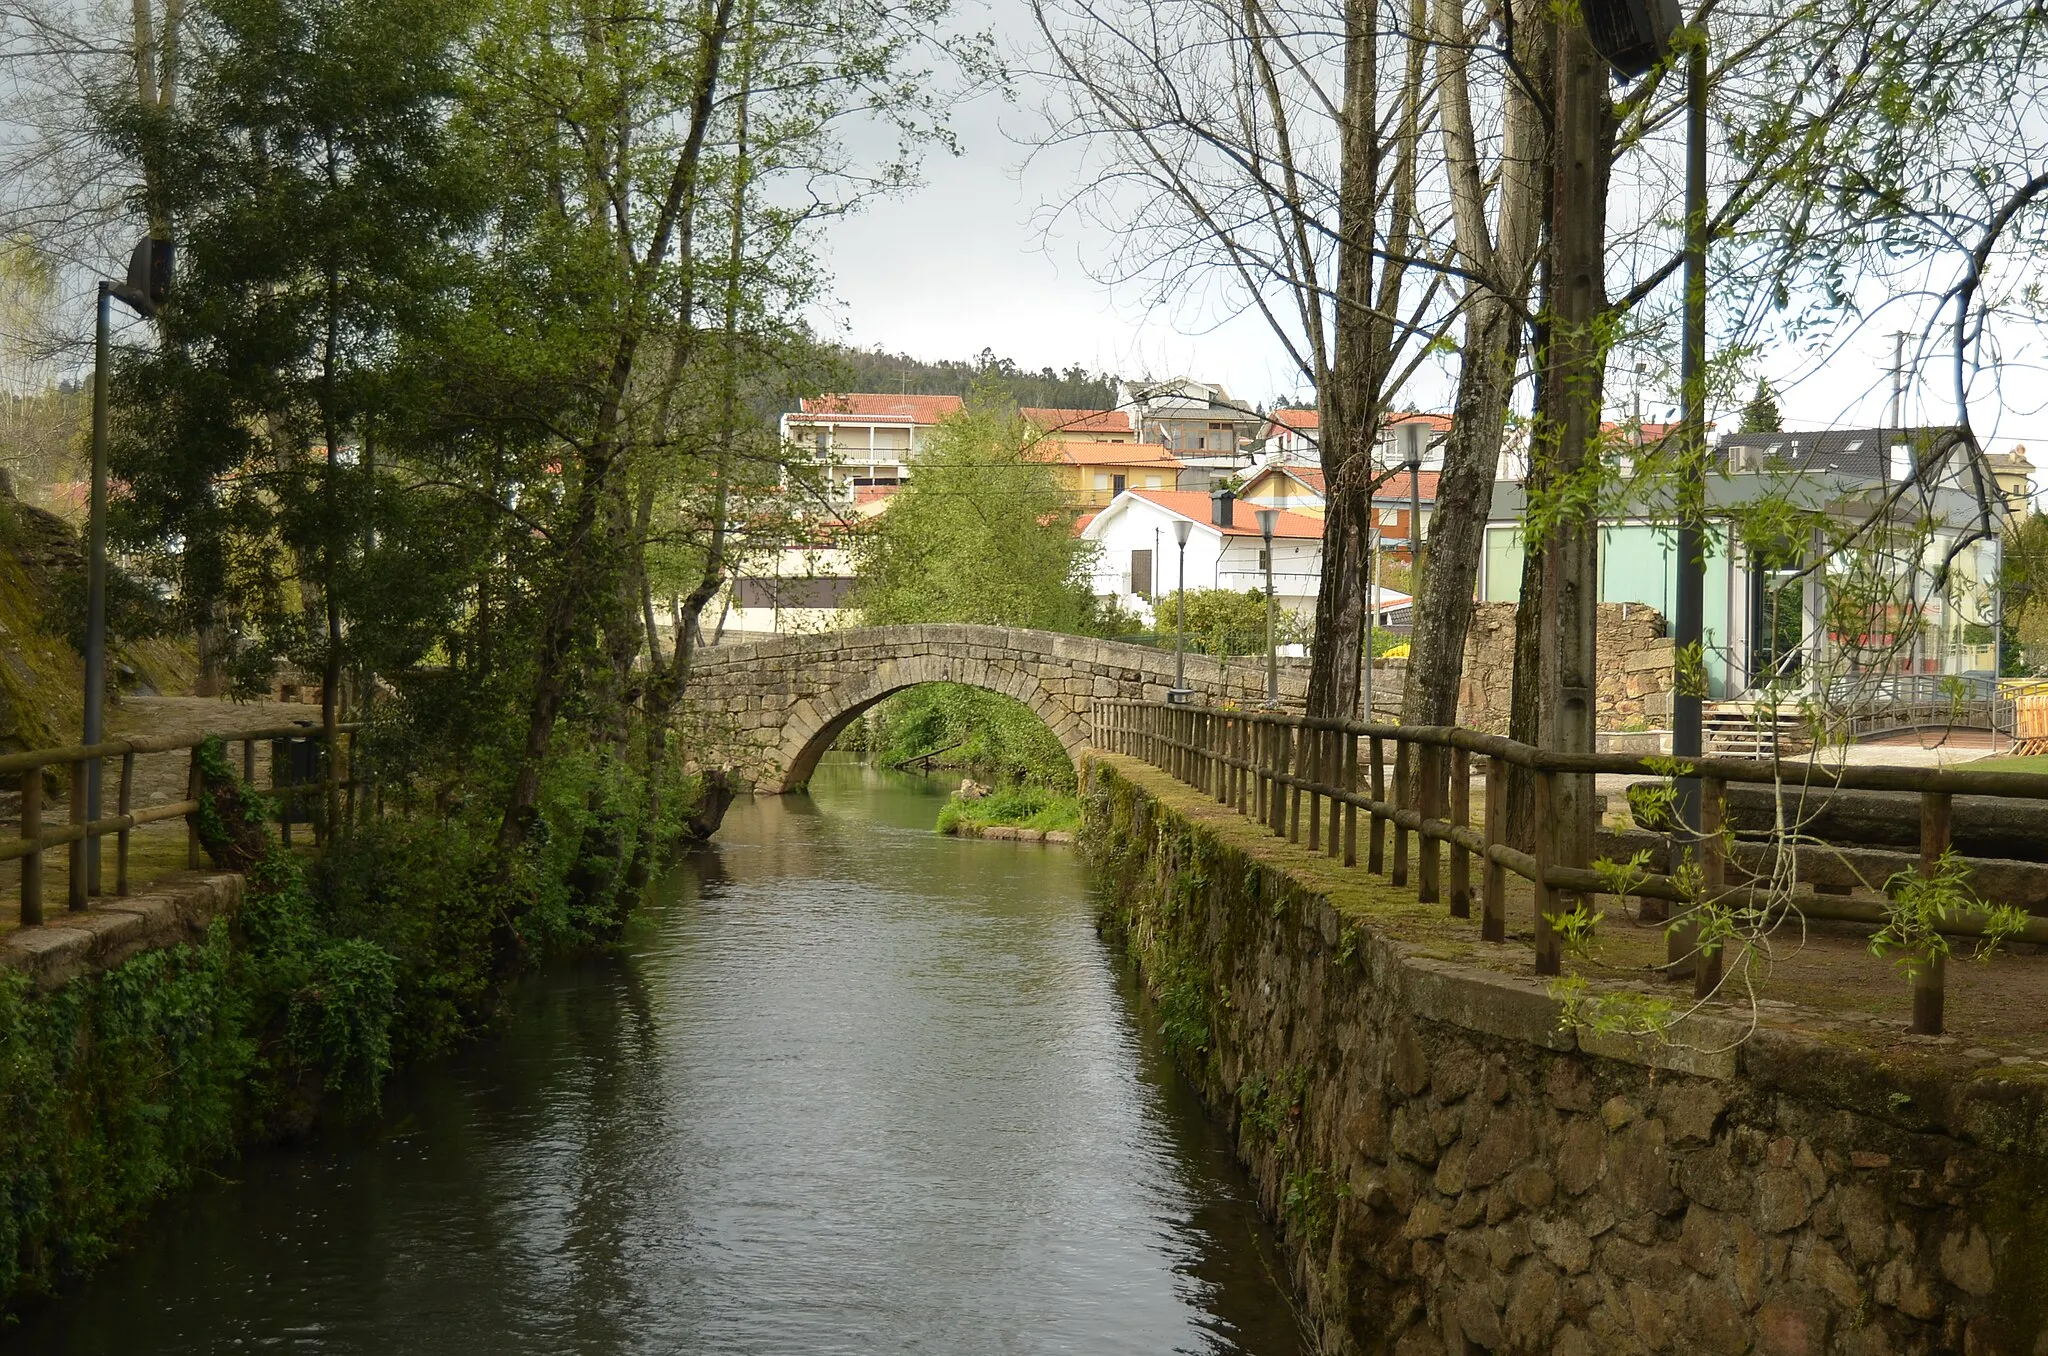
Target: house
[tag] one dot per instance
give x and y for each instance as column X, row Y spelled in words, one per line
column 1091, row 474
column 1139, row 559
column 867, row 440
column 1290, row 436
column 1300, row 489
column 801, row 589
column 1197, row 422
column 2015, row 476
column 1763, row 618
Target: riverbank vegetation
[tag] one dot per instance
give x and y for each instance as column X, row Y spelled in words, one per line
column 1023, row 807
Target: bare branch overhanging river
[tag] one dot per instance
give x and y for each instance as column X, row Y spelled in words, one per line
column 853, row 1088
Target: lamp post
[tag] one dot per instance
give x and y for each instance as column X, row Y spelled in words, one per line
column 1413, row 439
column 1267, row 519
column 149, row 277
column 1181, row 528
column 1689, row 626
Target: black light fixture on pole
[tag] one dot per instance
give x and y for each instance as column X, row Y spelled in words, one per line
column 1181, row 528
column 144, row 290
column 1268, row 519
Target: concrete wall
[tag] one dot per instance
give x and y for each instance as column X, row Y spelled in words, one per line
column 1454, row 1171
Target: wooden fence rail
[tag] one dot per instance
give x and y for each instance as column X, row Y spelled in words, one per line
column 1300, row 775
column 34, row 839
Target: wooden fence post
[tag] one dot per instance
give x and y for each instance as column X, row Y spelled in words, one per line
column 195, row 786
column 32, row 860
column 126, row 807
column 1333, row 773
column 1375, row 848
column 1350, row 809
column 1297, row 760
column 78, row 820
column 1404, row 771
column 1429, row 766
column 1312, row 764
column 1461, row 817
column 1493, row 923
column 1928, row 979
column 1706, row 969
column 1549, row 951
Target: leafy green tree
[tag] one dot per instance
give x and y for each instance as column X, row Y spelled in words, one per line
column 1761, row 415
column 981, row 534
column 1225, row 622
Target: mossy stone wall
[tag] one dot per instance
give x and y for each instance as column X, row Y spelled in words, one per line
column 1451, row 1171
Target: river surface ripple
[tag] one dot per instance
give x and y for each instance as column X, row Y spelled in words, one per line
column 852, row 1087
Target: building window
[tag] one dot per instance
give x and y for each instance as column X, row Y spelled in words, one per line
column 1141, row 573
column 1117, row 484
column 1265, row 559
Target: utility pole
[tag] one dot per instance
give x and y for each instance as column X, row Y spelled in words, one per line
column 1575, row 358
column 1689, row 633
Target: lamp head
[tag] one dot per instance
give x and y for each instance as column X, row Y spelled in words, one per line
column 1181, row 528
column 1412, row 438
column 149, row 277
column 1268, row 520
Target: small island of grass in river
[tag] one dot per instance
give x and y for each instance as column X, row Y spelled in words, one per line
column 1029, row 811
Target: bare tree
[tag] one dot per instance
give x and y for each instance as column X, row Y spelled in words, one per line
column 1271, row 157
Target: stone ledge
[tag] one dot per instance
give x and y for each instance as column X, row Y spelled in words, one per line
column 175, row 910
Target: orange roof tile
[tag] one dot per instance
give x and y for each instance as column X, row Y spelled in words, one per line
column 1077, row 421
column 1195, row 504
column 1438, row 423
column 905, row 409
column 1149, row 455
column 1298, row 420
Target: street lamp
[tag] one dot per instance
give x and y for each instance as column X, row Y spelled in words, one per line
column 1412, row 438
column 1181, row 528
column 1268, row 518
column 147, row 284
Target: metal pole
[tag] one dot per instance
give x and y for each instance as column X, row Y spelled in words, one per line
column 1690, row 625
column 1180, row 617
column 1272, row 648
column 96, row 588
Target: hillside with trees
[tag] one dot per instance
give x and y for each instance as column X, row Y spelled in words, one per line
column 1075, row 388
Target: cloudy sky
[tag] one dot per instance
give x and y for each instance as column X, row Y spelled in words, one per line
column 966, row 263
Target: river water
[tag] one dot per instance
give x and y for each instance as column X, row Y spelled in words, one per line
column 852, row 1088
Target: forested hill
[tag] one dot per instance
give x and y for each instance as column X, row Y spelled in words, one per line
column 1074, row 389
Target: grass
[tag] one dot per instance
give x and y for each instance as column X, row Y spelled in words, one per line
column 1027, row 807
column 2037, row 763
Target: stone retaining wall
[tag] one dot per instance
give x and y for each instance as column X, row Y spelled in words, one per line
column 1453, row 1170
column 1635, row 667
column 172, row 911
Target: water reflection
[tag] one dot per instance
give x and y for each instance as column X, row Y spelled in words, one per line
column 856, row 1088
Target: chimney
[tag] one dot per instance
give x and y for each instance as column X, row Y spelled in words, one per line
column 1221, row 503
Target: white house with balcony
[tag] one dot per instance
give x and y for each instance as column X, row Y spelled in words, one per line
column 867, row 440
column 1140, row 558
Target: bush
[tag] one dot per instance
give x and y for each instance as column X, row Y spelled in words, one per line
column 1028, row 807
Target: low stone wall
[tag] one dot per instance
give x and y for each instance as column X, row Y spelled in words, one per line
column 172, row 912
column 1635, row 667
column 1454, row 1170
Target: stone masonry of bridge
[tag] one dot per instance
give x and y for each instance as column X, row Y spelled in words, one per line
column 767, row 711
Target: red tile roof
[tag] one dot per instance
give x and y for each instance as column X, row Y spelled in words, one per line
column 1195, row 504
column 1438, row 423
column 1295, row 419
column 902, row 409
column 1077, row 421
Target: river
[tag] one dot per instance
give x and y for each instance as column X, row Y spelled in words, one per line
column 852, row 1087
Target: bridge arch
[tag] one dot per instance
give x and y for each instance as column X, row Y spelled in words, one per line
column 814, row 726
column 766, row 711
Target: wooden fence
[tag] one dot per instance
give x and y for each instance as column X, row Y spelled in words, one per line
column 1300, row 775
column 34, row 839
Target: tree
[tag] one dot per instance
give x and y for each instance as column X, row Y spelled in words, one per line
column 1274, row 156
column 312, row 180
column 981, row 534
column 1761, row 415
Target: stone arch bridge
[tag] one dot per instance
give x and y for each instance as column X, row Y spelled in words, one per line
column 769, row 710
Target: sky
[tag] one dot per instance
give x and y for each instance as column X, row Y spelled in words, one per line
column 967, row 261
